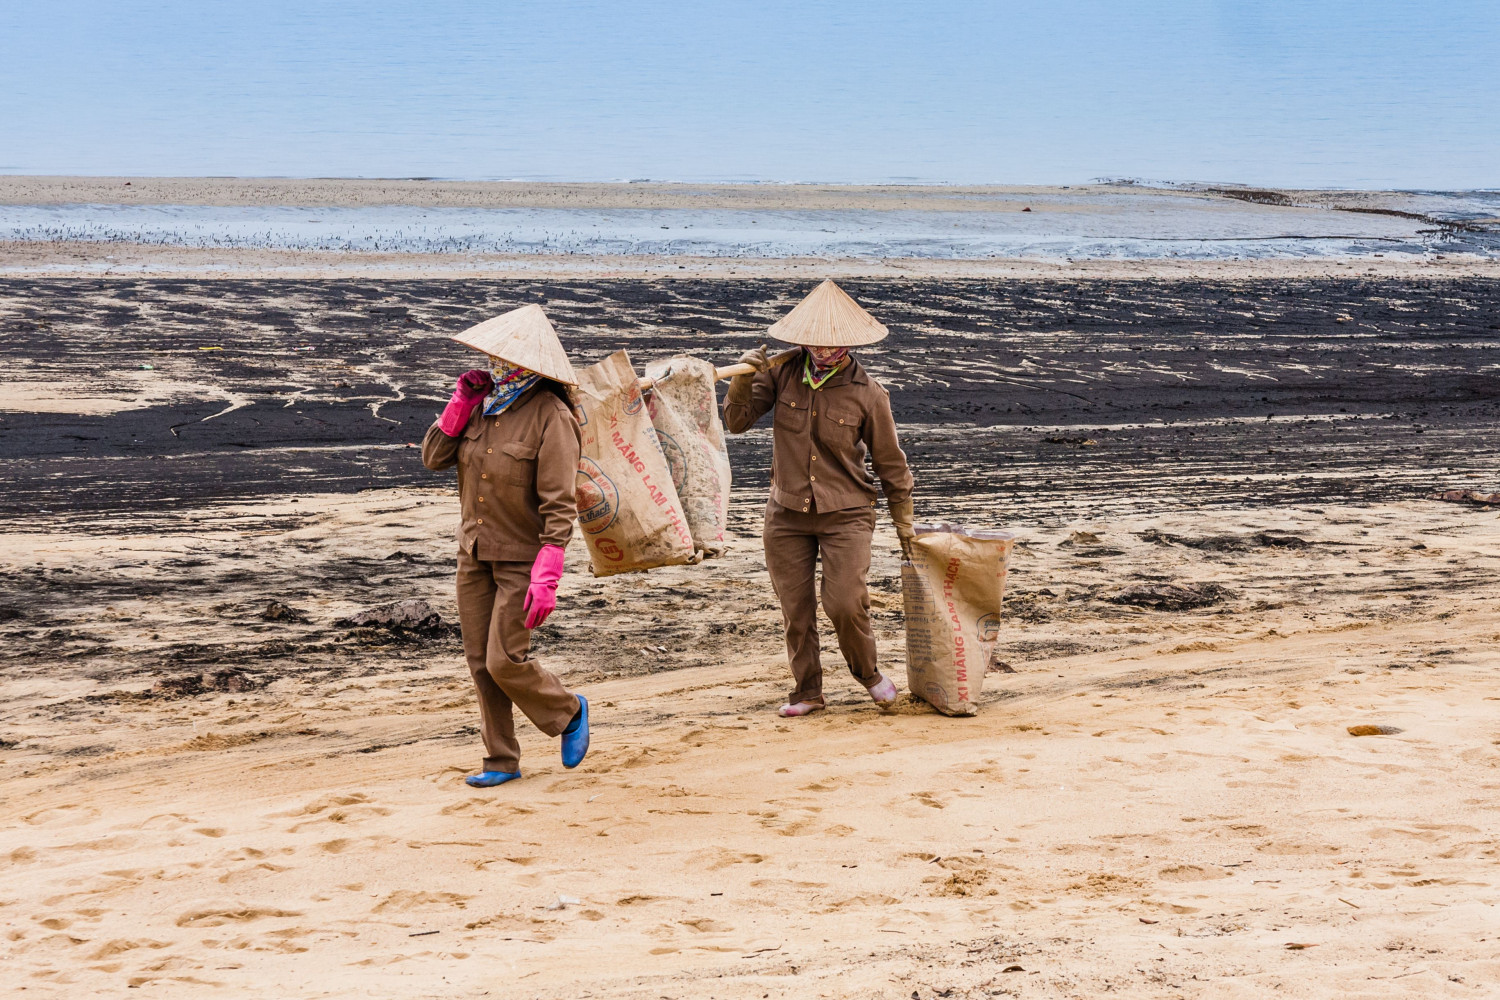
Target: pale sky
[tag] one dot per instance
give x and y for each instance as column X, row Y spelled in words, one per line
column 1336, row 93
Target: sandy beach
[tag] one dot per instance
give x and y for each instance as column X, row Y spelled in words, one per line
column 1231, row 559
column 1150, row 801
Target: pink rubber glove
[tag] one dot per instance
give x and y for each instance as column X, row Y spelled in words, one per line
column 541, row 596
column 473, row 385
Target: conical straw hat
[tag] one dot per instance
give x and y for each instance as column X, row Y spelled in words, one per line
column 523, row 337
column 828, row 317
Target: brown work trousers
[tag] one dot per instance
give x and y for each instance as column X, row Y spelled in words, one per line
column 497, row 645
column 794, row 541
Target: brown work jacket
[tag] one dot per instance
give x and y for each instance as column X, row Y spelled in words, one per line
column 517, row 473
column 821, row 437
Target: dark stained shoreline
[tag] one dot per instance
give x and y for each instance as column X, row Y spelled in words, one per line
column 1030, row 398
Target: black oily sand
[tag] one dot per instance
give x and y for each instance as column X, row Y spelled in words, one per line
column 1012, row 395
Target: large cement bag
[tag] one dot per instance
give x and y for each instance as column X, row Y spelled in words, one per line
column 685, row 411
column 627, row 506
column 951, row 589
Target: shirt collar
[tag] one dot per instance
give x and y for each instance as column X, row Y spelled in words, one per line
column 852, row 371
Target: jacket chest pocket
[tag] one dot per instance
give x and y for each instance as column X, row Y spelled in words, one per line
column 518, row 467
column 839, row 425
column 790, row 416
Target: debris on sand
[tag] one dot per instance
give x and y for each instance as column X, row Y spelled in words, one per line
column 192, row 685
column 1368, row 730
column 400, row 618
column 1468, row 496
column 412, row 614
column 1171, row 596
column 276, row 611
column 1227, row 543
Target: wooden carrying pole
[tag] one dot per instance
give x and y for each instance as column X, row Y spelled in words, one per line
column 731, row 371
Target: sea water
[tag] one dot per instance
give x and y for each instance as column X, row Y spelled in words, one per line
column 1090, row 224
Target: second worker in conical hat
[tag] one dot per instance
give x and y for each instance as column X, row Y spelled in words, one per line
column 515, row 439
column 829, row 418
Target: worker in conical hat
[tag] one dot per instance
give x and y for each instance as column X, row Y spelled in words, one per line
column 830, row 416
column 515, row 439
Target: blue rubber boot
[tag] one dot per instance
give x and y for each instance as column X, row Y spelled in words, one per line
column 489, row 779
column 575, row 739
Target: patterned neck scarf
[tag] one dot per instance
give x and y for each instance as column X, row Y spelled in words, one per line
column 818, row 370
column 510, row 382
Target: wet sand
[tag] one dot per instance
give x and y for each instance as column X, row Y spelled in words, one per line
column 63, row 258
column 132, row 397
column 359, row 192
column 208, row 778
column 434, row 228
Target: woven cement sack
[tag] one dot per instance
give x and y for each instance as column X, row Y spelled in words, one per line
column 627, row 506
column 951, row 590
column 685, row 410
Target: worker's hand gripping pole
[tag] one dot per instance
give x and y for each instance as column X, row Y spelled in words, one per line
column 730, row 371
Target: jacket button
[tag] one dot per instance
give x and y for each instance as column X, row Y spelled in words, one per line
column 794, row 405
column 481, row 499
column 815, row 413
column 484, row 475
column 489, row 451
column 812, row 479
column 481, row 520
column 841, row 421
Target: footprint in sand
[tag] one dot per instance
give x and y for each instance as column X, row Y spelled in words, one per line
column 60, row 943
column 68, row 815
column 795, row 827
column 704, row 925
column 868, row 899
column 283, row 941
column 406, row 900
column 715, row 858
column 342, row 809
column 507, row 814
column 220, row 914
column 341, row 844
column 166, row 821
column 1190, row 873
column 1176, row 908
column 637, row 900
column 120, row 946
column 252, row 872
